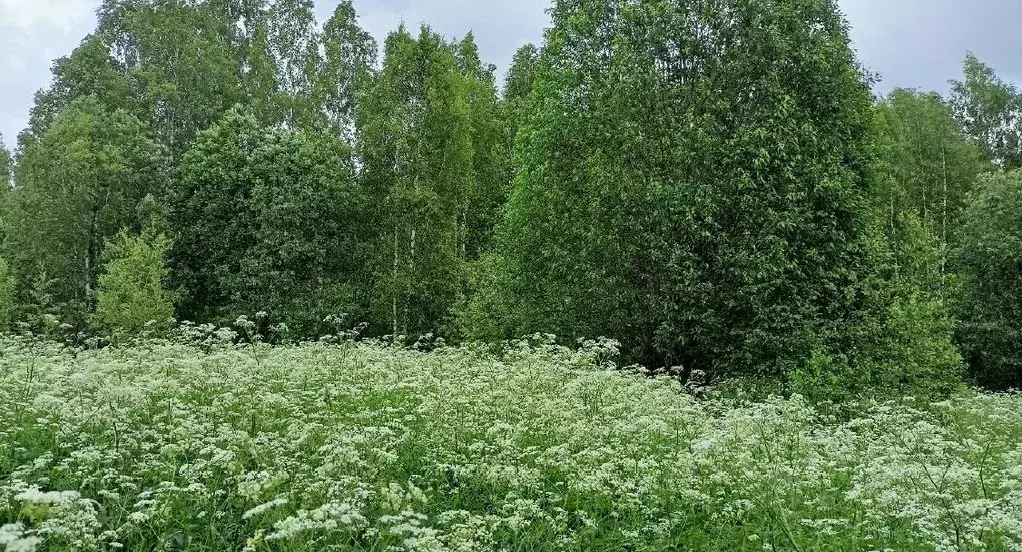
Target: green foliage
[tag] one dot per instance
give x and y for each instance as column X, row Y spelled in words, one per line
column 180, row 58
column 926, row 164
column 902, row 330
column 709, row 183
column 349, row 55
column 132, row 298
column 7, row 289
column 363, row 447
column 176, row 66
column 416, row 130
column 696, row 202
column 989, row 111
column 489, row 185
column 88, row 72
column 487, row 308
column 989, row 263
column 78, row 185
column 266, row 220
column 520, row 76
column 518, row 88
column 179, row 66
column 6, row 181
column 900, row 338
column 287, row 52
column 6, row 169
column 37, row 313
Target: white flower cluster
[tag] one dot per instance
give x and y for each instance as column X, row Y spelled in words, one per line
column 35, row 496
column 342, row 445
column 13, row 539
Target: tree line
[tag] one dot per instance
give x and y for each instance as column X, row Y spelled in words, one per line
column 717, row 189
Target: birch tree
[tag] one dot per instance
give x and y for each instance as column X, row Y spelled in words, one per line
column 79, row 185
column 415, row 128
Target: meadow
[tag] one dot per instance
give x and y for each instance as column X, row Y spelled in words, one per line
column 203, row 445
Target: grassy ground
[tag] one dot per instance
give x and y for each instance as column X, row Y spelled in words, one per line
column 363, row 447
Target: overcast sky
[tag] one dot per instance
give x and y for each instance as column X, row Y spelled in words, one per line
column 913, row 43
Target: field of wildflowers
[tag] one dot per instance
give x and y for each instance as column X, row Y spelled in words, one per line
column 362, row 446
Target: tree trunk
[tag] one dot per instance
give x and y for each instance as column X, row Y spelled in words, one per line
column 944, row 244
column 91, row 255
column 411, row 276
column 394, row 292
column 463, row 248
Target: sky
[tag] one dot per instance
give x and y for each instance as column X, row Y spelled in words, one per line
column 910, row 43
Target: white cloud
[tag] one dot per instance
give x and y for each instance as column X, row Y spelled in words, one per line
column 60, row 14
column 500, row 27
column 32, row 34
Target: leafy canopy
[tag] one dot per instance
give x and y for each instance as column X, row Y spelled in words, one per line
column 691, row 180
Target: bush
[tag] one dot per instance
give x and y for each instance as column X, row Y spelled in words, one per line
column 266, row 220
column 899, row 341
column 132, row 298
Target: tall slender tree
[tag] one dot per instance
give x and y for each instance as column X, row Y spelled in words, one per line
column 483, row 203
column 349, row 54
column 182, row 60
column 6, row 168
column 416, row 146
column 518, row 87
column 294, row 48
column 88, row 71
column 261, row 85
column 6, row 181
column 926, row 164
column 8, row 287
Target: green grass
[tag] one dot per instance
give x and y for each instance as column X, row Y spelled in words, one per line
column 364, row 447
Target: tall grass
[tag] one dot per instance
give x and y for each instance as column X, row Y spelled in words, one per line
column 170, row 446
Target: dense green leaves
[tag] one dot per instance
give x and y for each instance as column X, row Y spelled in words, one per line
column 927, row 167
column 7, row 289
column 989, row 261
column 132, row 298
column 6, row 166
column 990, row 111
column 899, row 340
column 266, row 220
column 709, row 182
column 677, row 189
column 6, row 181
column 291, row 51
column 179, row 66
column 489, row 185
column 78, row 185
column 349, row 55
column 518, row 87
column 180, row 59
column 88, row 71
